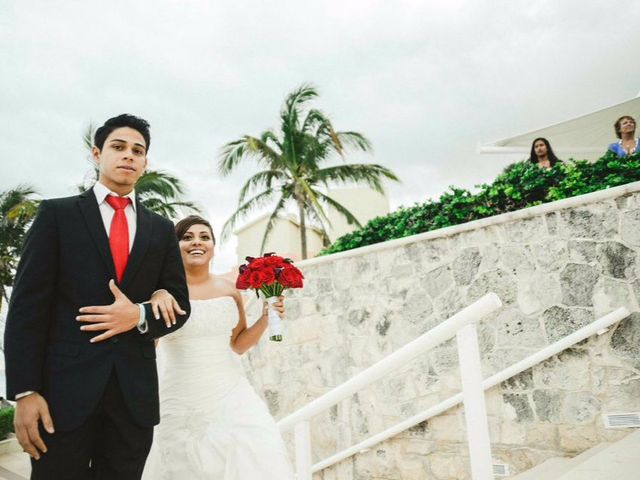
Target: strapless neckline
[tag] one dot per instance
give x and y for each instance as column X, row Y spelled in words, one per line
column 211, row 299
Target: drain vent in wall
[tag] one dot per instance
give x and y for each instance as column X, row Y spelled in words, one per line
column 500, row 470
column 622, row 420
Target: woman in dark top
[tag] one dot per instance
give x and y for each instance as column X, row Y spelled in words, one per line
column 542, row 153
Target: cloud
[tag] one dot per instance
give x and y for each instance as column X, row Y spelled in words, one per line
column 426, row 81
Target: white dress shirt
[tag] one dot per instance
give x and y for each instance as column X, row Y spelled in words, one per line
column 107, row 211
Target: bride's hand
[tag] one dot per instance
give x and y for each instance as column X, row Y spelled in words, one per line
column 162, row 302
column 277, row 306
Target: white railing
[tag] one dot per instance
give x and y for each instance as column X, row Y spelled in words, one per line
column 460, row 324
column 463, row 325
column 598, row 326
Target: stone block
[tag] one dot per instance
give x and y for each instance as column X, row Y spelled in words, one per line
column 448, row 466
column 630, row 227
column 518, row 407
column 550, row 255
column 379, row 462
column 610, row 294
column 537, row 292
column 625, row 341
column 518, row 383
column 617, row 260
column 547, row 405
column 524, row 230
column 447, row 428
column 411, row 467
column 542, row 435
column 437, row 281
column 580, row 408
column 595, row 222
column 623, row 392
column 582, row 251
column 449, row 303
column 512, row 433
column 551, row 221
column 516, row 259
column 577, row 282
column 489, row 258
column 465, row 266
column 569, row 370
column 577, row 438
column 515, row 329
column 562, row 321
column 498, row 281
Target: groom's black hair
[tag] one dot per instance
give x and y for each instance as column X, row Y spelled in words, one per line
column 124, row 120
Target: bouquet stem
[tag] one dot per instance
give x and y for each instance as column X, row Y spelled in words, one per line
column 275, row 324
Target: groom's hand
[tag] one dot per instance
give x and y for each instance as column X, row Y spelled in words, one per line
column 30, row 410
column 119, row 317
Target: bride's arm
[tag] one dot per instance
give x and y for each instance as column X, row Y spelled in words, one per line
column 243, row 337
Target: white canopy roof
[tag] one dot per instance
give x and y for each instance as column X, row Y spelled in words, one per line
column 586, row 136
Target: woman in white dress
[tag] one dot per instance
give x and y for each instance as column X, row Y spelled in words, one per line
column 213, row 424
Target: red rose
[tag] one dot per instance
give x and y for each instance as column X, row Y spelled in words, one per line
column 274, row 261
column 291, row 277
column 268, row 275
column 257, row 263
column 259, row 278
column 242, row 282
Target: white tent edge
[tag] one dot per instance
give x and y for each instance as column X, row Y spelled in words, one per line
column 502, row 146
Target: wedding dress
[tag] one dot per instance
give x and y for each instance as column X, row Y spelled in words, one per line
column 213, row 425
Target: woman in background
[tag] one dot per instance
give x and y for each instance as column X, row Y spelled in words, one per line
column 542, row 153
column 627, row 144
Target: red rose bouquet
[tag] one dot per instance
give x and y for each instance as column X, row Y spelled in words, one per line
column 269, row 276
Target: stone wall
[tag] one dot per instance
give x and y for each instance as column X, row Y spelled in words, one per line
column 556, row 268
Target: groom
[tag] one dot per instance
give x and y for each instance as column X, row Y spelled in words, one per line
column 79, row 350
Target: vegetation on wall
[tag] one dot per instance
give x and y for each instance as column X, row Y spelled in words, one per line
column 520, row 185
column 6, row 422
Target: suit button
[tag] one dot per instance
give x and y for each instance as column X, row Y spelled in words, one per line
column 114, row 339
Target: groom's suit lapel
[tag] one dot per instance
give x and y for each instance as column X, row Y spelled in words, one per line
column 140, row 243
column 93, row 219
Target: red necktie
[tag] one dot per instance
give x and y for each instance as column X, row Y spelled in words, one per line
column 119, row 234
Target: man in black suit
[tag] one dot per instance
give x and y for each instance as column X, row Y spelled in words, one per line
column 79, row 347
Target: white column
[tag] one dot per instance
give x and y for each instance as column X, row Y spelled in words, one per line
column 475, row 410
column 302, row 434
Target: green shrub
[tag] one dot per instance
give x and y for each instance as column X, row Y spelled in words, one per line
column 520, row 185
column 6, row 422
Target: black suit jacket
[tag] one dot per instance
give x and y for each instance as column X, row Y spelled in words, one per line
column 66, row 264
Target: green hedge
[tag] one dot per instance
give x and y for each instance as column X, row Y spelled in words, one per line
column 520, row 185
column 6, row 422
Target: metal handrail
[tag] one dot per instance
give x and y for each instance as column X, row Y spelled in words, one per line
column 598, row 326
column 462, row 325
column 442, row 332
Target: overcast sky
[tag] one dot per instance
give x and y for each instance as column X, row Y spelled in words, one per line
column 426, row 81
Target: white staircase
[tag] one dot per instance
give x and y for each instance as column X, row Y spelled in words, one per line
column 607, row 461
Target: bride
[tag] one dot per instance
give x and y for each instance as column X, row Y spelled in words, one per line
column 213, row 424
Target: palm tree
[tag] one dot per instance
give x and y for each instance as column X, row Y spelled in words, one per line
column 292, row 172
column 159, row 191
column 17, row 209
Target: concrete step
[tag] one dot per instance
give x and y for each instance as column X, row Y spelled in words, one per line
column 556, row 466
column 15, row 466
column 547, row 469
column 14, row 463
column 619, row 461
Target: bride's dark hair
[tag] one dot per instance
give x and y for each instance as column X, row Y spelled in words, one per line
column 186, row 223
